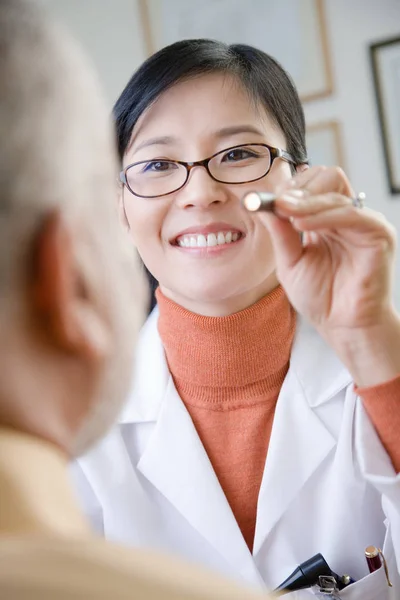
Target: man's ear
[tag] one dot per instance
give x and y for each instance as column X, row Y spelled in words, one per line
column 61, row 299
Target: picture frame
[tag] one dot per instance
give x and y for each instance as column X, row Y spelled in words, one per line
column 266, row 24
column 385, row 62
column 324, row 144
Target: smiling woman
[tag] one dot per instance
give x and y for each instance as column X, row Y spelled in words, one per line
column 242, row 143
column 242, row 444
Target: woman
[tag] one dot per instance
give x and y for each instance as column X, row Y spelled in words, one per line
column 244, row 444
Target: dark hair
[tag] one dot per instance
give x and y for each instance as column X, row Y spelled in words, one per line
column 261, row 75
column 265, row 80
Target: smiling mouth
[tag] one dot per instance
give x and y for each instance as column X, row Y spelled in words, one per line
column 199, row 240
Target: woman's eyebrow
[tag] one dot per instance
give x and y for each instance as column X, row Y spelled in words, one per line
column 166, row 140
column 235, row 129
column 157, row 141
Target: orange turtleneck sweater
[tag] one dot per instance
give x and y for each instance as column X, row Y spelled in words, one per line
column 228, row 372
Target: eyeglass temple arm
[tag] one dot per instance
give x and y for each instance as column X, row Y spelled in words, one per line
column 285, row 155
column 288, row 157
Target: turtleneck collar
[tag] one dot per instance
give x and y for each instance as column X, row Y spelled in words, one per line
column 232, row 359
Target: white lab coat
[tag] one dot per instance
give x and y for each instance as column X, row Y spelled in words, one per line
column 328, row 485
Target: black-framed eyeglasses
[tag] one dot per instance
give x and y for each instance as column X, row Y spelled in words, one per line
column 234, row 165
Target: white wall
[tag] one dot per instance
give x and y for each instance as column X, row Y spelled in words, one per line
column 352, row 26
column 111, row 32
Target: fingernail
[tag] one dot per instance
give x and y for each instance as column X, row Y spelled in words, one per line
column 293, row 197
column 289, row 199
column 297, row 193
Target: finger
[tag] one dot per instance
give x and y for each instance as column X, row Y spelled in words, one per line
column 321, row 180
column 286, row 241
column 332, row 179
column 298, row 203
column 300, row 180
column 347, row 217
column 307, row 181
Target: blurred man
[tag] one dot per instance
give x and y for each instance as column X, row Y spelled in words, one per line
column 71, row 304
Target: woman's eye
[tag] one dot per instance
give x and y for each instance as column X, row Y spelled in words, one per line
column 238, row 154
column 157, row 166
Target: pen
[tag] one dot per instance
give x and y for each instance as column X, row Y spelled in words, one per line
column 374, row 557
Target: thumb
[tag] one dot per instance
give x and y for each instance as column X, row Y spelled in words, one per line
column 286, row 241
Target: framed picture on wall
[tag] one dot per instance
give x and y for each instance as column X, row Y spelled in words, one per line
column 385, row 59
column 324, row 144
column 293, row 32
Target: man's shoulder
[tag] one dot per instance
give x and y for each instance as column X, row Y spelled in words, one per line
column 46, row 569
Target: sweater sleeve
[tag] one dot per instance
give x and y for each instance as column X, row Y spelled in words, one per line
column 382, row 404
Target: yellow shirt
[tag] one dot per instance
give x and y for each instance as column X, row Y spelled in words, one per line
column 47, row 551
column 35, row 494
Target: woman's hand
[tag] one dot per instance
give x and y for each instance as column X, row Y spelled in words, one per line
column 340, row 277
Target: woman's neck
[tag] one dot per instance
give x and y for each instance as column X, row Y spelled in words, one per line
column 223, row 307
column 227, row 359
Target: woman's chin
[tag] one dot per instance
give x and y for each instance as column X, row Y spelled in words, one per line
column 215, row 298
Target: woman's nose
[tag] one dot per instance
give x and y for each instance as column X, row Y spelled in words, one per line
column 201, row 190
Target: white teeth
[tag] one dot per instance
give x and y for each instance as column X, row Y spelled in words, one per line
column 220, row 238
column 209, row 240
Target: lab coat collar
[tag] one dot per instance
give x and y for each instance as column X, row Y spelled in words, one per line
column 316, row 367
column 150, row 374
column 154, row 398
column 314, row 377
column 300, row 441
column 176, row 463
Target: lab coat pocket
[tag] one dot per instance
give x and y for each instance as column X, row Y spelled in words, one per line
column 375, row 585
column 372, row 587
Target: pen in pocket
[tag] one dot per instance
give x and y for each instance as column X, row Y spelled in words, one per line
column 375, row 559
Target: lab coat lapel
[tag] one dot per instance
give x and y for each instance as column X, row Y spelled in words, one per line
column 176, row 463
column 108, row 469
column 299, row 439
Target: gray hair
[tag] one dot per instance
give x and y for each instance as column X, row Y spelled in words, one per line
column 52, row 120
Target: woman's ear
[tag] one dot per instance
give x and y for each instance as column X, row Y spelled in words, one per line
column 302, row 167
column 121, row 208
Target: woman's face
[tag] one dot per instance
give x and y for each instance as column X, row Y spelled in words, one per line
column 190, row 122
